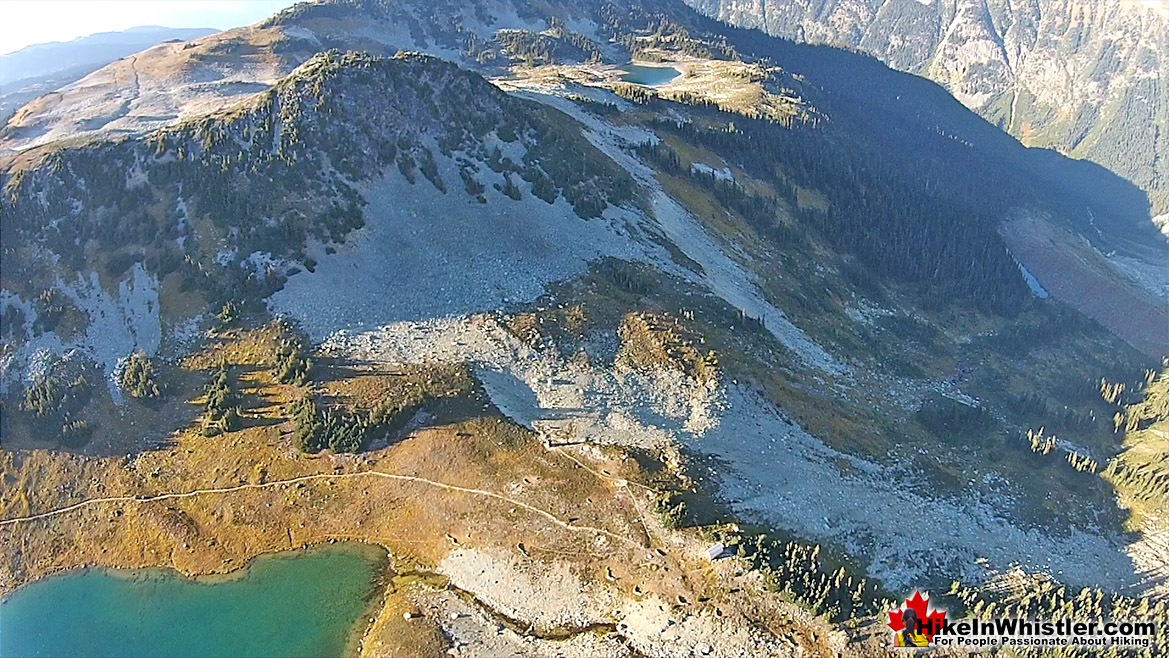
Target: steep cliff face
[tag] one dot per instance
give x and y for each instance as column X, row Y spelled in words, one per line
column 1084, row 77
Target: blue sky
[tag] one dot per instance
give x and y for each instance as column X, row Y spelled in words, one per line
column 25, row 22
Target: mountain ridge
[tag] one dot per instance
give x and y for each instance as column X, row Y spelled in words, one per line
column 273, row 47
column 42, row 59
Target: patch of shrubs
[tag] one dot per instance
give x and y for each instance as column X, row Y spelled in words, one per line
column 670, row 508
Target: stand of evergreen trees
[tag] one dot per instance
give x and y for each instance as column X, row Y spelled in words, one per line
column 798, row 571
column 318, row 427
column 221, row 405
column 1040, row 598
column 137, row 377
column 948, row 417
column 53, row 404
column 293, row 365
column 794, row 569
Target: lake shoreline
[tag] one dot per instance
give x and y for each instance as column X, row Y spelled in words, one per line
column 209, row 576
column 375, row 554
column 649, row 74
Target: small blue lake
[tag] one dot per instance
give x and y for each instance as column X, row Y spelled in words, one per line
column 300, row 603
column 650, row 76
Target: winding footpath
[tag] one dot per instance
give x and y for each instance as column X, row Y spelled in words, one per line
column 319, row 476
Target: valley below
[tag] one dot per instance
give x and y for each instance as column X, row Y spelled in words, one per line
column 1134, row 307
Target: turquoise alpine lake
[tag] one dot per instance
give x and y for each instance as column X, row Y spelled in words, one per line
column 649, row 76
column 298, row 603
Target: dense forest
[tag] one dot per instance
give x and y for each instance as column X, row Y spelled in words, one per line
column 904, row 115
column 924, row 231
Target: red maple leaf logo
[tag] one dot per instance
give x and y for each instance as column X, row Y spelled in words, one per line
column 931, row 619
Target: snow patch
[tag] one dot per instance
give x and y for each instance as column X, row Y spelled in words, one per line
column 705, row 169
column 116, row 326
column 1037, row 288
column 866, row 313
column 225, row 257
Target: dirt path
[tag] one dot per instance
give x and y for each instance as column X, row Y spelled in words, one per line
column 320, row 476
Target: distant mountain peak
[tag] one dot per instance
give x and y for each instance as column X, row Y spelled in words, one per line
column 88, row 52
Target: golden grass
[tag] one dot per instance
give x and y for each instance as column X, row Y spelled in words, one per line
column 1145, row 455
column 217, row 532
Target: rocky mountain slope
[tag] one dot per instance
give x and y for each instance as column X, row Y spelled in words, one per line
column 229, row 204
column 94, row 51
column 39, row 69
column 1085, row 78
column 173, row 81
column 546, row 334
